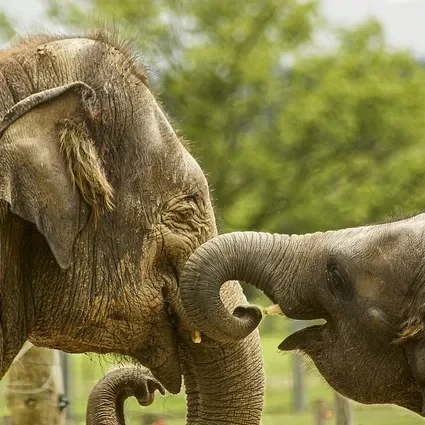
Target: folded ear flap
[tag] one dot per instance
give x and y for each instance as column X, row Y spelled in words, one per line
column 44, row 144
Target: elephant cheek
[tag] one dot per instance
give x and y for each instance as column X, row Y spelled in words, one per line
column 161, row 354
column 378, row 325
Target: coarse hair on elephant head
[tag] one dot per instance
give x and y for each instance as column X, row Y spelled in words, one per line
column 366, row 283
column 84, row 166
column 101, row 204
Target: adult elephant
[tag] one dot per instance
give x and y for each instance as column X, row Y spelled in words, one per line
column 367, row 283
column 100, row 206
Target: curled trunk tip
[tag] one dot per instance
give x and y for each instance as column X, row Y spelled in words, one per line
column 106, row 400
column 232, row 256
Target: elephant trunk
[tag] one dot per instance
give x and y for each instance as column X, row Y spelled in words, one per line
column 224, row 385
column 261, row 259
column 106, row 401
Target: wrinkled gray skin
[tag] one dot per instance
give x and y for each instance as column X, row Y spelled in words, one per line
column 106, row 400
column 367, row 283
column 81, row 131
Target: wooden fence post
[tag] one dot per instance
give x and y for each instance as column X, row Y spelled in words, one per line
column 319, row 412
column 343, row 410
column 35, row 385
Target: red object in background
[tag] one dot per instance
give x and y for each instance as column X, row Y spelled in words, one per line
column 159, row 422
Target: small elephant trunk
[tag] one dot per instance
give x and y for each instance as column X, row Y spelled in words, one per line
column 106, row 401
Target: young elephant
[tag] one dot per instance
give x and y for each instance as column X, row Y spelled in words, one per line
column 368, row 283
column 100, row 206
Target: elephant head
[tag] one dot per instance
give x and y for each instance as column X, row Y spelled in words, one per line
column 367, row 284
column 100, row 206
column 106, row 400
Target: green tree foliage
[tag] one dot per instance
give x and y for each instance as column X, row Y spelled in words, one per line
column 353, row 135
column 335, row 139
column 6, row 28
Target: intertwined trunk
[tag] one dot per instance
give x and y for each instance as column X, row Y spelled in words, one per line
column 224, row 381
column 225, row 385
column 264, row 260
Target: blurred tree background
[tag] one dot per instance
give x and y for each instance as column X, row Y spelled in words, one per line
column 6, row 28
column 295, row 134
column 293, row 137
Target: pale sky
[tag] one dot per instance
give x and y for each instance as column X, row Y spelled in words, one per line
column 403, row 19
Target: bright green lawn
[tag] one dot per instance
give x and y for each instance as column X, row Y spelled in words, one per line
column 86, row 370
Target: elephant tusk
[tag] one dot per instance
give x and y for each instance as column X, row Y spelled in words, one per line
column 273, row 310
column 196, row 337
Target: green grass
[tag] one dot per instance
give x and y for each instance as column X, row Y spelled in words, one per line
column 87, row 369
column 278, row 405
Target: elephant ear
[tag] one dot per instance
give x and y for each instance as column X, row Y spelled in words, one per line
column 48, row 163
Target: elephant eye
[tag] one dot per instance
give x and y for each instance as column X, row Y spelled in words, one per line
column 187, row 214
column 185, row 211
column 338, row 281
column 191, row 198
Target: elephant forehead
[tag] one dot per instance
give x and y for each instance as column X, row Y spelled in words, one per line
column 72, row 46
column 192, row 170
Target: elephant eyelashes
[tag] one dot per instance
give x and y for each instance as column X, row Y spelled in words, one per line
column 338, row 281
column 187, row 214
column 191, row 198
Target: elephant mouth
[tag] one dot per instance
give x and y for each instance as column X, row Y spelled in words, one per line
column 163, row 360
column 169, row 374
column 305, row 339
column 159, row 351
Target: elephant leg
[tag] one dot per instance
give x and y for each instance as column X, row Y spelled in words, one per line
column 15, row 314
column 12, row 339
column 1, row 352
column 6, row 358
column 9, row 349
